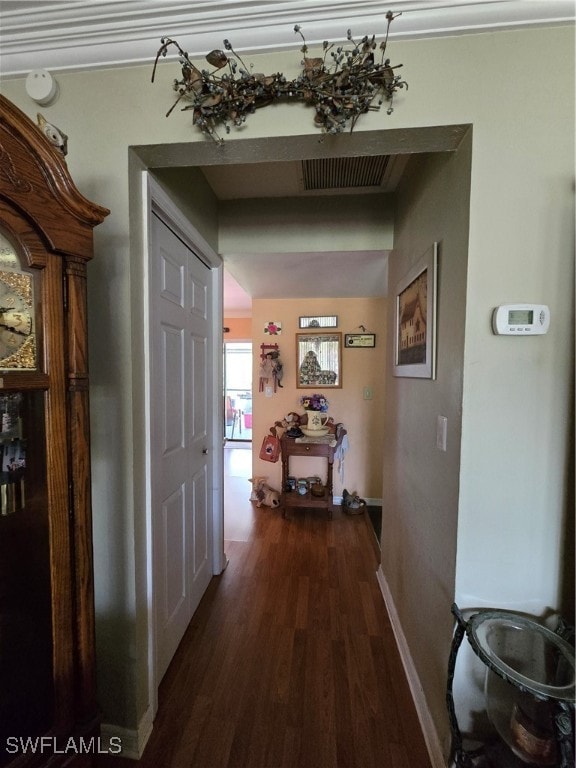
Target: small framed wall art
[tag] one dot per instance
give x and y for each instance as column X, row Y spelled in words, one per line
column 319, row 321
column 359, row 340
column 415, row 320
column 273, row 328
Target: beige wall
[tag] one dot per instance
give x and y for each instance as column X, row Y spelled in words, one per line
column 240, row 328
column 360, row 368
column 282, row 225
column 421, row 483
column 193, row 195
column 516, row 89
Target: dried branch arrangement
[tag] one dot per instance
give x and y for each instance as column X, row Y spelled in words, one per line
column 341, row 85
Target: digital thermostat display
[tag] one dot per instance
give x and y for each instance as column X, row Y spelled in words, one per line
column 521, row 319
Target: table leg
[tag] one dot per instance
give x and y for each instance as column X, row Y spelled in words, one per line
column 329, row 488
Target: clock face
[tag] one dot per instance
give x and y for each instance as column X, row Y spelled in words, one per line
column 15, row 320
column 17, row 332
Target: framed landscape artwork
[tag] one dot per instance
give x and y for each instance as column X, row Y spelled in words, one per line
column 415, row 320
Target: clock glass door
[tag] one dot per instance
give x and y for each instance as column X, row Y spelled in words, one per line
column 26, row 675
column 26, row 631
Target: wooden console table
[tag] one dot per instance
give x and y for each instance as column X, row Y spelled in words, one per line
column 308, row 447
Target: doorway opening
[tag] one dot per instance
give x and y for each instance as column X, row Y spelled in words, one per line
column 238, row 391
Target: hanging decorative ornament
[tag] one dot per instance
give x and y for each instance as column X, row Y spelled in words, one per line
column 340, row 90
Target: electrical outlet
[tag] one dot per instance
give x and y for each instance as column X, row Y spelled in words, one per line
column 367, row 393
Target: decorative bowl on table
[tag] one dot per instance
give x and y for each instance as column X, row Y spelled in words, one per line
column 315, row 432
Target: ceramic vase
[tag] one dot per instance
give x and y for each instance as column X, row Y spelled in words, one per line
column 316, row 421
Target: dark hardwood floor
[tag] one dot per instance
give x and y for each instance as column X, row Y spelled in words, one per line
column 290, row 660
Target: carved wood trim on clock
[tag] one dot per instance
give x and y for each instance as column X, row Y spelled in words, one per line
column 8, row 172
column 40, row 164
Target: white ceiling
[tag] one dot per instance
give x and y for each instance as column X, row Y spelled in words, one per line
column 73, row 35
column 79, row 34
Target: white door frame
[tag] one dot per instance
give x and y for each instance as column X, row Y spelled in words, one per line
column 157, row 200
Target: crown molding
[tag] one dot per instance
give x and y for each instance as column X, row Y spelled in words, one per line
column 75, row 35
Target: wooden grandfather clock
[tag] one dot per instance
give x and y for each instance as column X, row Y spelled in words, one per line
column 48, row 710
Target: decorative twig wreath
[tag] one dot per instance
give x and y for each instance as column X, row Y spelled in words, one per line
column 340, row 90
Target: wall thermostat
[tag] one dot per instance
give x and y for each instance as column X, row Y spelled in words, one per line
column 521, row 319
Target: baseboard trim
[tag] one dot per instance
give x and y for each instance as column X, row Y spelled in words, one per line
column 133, row 740
column 373, row 539
column 428, row 730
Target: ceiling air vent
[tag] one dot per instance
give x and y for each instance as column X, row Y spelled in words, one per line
column 344, row 172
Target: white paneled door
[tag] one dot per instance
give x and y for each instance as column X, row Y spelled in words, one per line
column 179, row 291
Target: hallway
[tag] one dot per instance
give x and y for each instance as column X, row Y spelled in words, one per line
column 290, row 660
column 239, row 512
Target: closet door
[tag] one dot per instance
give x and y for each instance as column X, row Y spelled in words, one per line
column 181, row 513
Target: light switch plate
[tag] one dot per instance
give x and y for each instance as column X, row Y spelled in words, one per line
column 441, row 430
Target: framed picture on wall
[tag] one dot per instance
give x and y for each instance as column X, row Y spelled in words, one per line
column 318, row 359
column 319, row 321
column 359, row 340
column 415, row 319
